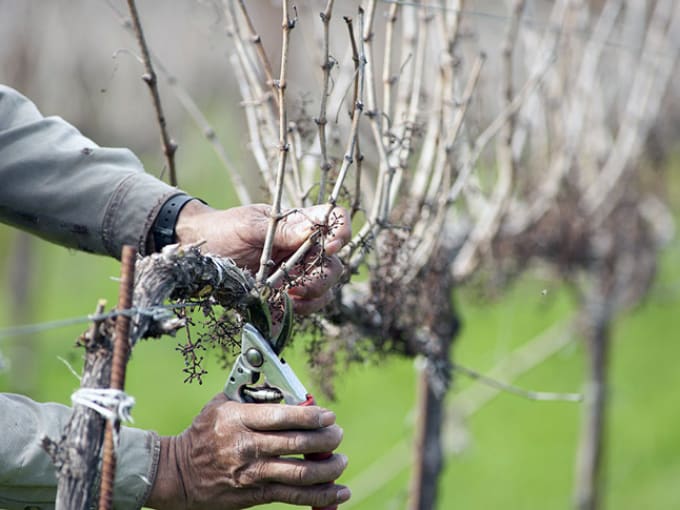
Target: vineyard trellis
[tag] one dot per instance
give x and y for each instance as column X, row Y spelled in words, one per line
column 453, row 163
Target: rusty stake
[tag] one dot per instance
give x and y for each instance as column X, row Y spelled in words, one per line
column 121, row 347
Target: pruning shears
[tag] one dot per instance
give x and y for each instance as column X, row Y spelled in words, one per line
column 258, row 359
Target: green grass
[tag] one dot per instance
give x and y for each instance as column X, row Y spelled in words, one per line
column 519, row 454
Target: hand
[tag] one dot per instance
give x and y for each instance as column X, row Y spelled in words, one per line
column 234, row 456
column 239, row 233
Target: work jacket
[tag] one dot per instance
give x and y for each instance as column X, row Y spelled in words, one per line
column 61, row 186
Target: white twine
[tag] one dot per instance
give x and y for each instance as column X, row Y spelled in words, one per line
column 112, row 404
column 218, row 266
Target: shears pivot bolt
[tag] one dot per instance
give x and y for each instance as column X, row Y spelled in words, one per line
column 254, row 357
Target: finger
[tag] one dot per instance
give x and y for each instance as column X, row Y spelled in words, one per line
column 337, row 220
column 301, row 472
column 296, row 227
column 320, row 280
column 216, row 401
column 298, row 442
column 273, row 417
column 315, row 496
column 306, row 306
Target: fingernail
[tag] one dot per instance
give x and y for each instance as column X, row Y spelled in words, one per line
column 327, row 418
column 297, row 291
column 333, row 247
column 343, row 495
column 345, row 460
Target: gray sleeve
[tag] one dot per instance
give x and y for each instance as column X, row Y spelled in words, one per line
column 60, row 185
column 27, row 476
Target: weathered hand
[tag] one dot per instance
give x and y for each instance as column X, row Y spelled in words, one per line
column 240, row 232
column 236, row 456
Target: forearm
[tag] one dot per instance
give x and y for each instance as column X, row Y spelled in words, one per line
column 27, row 476
column 60, row 185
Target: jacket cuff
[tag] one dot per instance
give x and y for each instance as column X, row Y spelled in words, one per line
column 131, row 212
column 138, row 455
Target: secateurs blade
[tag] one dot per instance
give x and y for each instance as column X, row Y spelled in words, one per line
column 259, row 359
column 259, row 356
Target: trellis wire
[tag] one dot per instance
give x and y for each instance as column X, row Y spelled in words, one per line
column 157, row 312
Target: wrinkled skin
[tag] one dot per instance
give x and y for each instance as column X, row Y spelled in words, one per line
column 235, row 456
column 239, row 455
column 240, row 232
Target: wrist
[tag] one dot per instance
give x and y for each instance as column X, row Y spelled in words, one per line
column 165, row 226
column 187, row 228
column 167, row 491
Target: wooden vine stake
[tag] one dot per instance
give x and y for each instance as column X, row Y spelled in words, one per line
column 76, row 454
column 121, row 350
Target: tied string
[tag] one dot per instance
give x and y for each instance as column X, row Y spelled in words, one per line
column 114, row 405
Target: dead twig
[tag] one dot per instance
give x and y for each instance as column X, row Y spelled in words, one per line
column 149, row 77
column 322, row 120
column 287, row 24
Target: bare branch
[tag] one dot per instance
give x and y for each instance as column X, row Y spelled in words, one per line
column 658, row 59
column 295, row 154
column 256, row 141
column 287, row 25
column 357, row 109
column 257, row 103
column 489, row 221
column 322, row 120
column 347, row 160
column 578, row 104
column 208, row 131
column 199, row 118
column 257, row 41
column 149, row 77
column 494, row 128
column 388, row 78
column 428, row 228
column 520, row 392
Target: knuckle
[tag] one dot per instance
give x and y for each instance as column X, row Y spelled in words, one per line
column 300, row 474
column 263, row 495
column 324, row 497
column 276, row 413
column 257, row 417
column 237, row 468
column 299, row 498
column 295, row 442
column 243, row 447
column 252, row 476
column 231, row 477
column 223, row 420
column 245, row 475
column 237, row 479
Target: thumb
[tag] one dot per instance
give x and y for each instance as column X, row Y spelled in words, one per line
column 296, row 227
column 293, row 230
